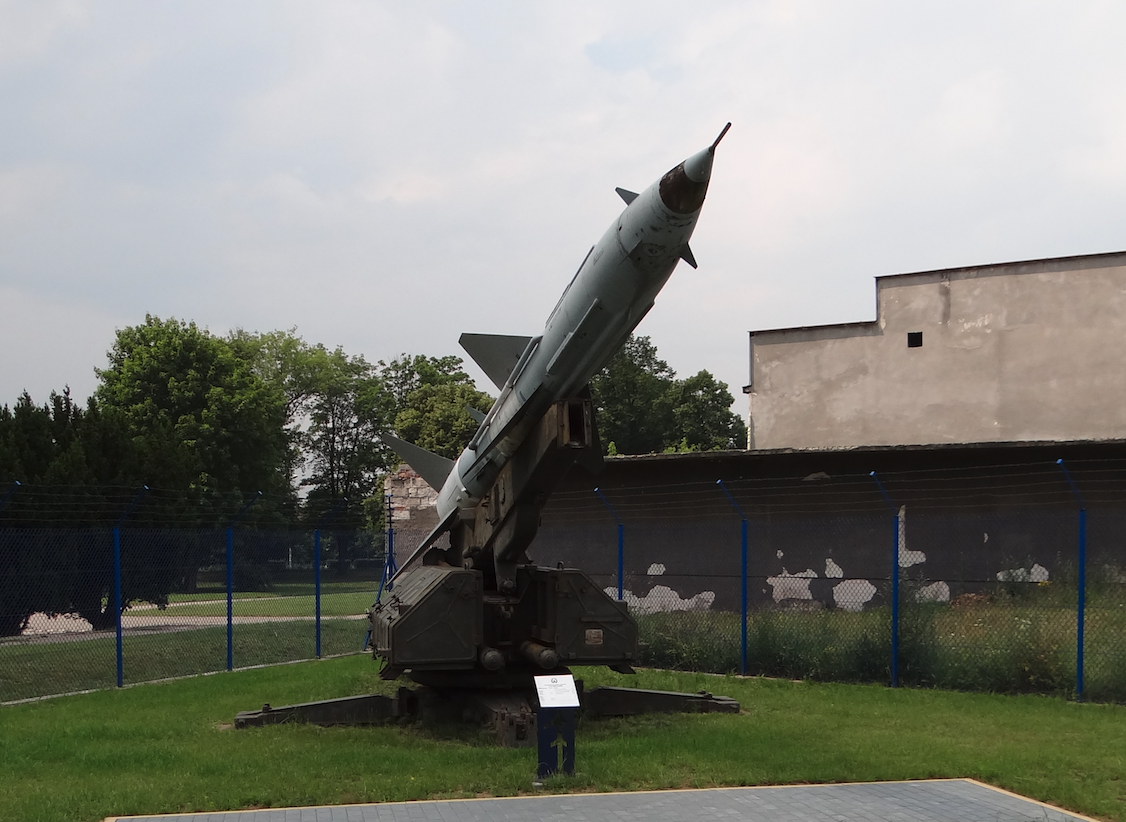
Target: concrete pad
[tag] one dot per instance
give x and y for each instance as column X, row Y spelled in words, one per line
column 938, row 800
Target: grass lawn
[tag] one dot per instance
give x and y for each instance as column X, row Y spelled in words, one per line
column 329, row 585
column 169, row 747
column 63, row 667
column 1012, row 646
column 332, row 604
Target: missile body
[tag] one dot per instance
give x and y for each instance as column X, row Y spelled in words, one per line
column 611, row 292
column 511, row 613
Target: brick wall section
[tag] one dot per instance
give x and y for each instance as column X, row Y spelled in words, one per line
column 413, row 515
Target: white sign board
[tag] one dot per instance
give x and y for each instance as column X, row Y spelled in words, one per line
column 557, row 691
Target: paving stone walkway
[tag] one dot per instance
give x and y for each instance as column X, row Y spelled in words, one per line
column 952, row 800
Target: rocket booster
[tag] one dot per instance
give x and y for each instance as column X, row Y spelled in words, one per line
column 611, row 292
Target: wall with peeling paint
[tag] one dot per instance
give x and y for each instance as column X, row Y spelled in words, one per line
column 819, row 532
column 1018, row 352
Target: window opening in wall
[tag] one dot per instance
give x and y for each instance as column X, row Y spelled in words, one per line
column 914, row 339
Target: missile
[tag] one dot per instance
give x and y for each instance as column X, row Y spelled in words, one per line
column 612, row 290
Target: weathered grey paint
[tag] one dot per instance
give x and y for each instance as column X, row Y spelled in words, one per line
column 1028, row 351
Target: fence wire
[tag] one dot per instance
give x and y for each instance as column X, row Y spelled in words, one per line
column 965, row 580
column 59, row 590
column 1001, row 578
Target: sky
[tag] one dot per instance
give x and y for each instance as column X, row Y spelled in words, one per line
column 383, row 176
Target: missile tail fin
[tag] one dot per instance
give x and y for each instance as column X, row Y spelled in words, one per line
column 478, row 416
column 626, row 194
column 433, row 468
column 497, row 354
column 687, row 255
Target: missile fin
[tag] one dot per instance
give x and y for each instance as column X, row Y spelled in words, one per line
column 434, row 468
column 497, row 354
column 687, row 255
column 626, row 194
column 478, row 416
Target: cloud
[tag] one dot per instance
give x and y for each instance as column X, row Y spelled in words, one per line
column 386, row 176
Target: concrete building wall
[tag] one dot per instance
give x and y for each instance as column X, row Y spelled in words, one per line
column 1028, row 351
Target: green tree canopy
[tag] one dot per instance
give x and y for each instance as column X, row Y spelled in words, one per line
column 349, row 409
column 60, row 443
column 199, row 414
column 434, row 416
column 207, row 422
column 73, row 463
column 407, row 373
column 702, row 415
column 641, row 408
column 298, row 371
column 632, row 399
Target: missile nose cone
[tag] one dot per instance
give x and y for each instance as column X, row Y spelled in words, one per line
column 684, row 187
column 698, row 167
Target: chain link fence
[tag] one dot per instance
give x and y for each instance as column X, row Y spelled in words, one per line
column 93, row 608
column 1004, row 580
column 1007, row 579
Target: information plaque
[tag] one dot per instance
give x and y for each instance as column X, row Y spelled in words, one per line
column 557, row 691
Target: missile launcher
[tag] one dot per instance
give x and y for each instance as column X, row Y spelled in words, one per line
column 476, row 612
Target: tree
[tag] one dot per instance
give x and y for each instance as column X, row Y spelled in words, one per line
column 294, row 368
column 431, row 397
column 702, row 415
column 200, row 415
column 632, row 399
column 406, row 374
column 61, row 444
column 434, row 416
column 38, row 444
column 641, row 408
column 348, row 410
column 206, row 422
column 284, row 361
column 67, row 458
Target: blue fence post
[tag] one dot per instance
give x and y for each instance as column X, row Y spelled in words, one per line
column 231, row 582
column 117, row 582
column 743, row 572
column 1081, row 604
column 390, row 568
column 621, row 542
column 894, row 583
column 317, row 567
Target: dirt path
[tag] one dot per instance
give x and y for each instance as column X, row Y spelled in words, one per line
column 42, row 629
